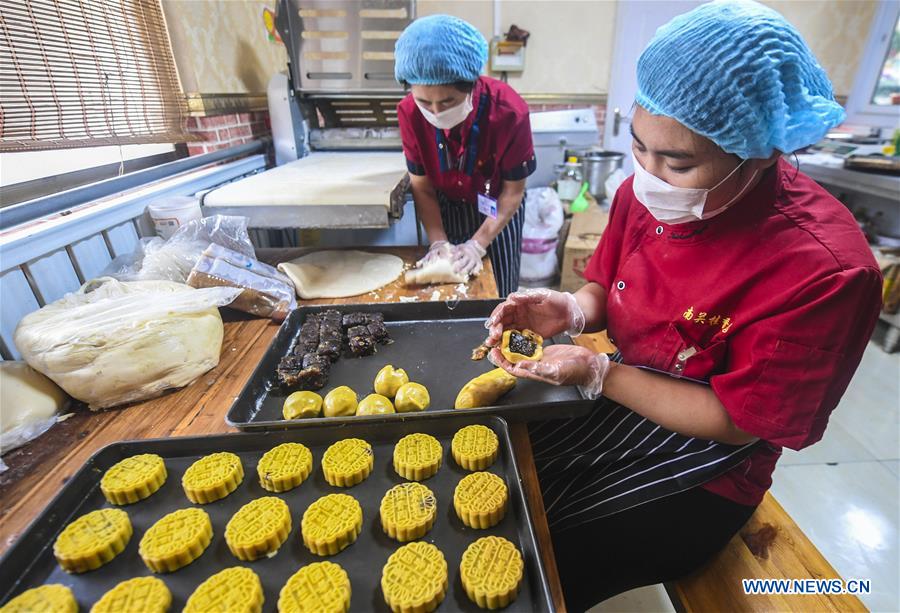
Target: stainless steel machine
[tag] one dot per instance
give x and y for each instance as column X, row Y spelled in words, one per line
column 338, row 156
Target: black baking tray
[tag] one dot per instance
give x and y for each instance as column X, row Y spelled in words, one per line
column 433, row 343
column 30, row 562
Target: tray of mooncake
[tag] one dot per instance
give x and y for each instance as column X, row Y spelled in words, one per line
column 405, row 515
column 392, row 362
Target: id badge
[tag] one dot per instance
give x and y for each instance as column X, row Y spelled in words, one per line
column 487, row 206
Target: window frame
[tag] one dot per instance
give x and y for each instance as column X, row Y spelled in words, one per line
column 54, row 182
column 860, row 110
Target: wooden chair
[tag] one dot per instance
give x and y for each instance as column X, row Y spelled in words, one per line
column 770, row 546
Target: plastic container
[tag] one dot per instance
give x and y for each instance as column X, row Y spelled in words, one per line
column 569, row 183
column 169, row 214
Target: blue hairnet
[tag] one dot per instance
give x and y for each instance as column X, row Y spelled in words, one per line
column 439, row 49
column 739, row 74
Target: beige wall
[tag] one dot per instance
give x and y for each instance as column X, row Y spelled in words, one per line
column 835, row 30
column 570, row 49
column 221, row 46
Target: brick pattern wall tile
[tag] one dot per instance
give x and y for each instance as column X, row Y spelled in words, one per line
column 221, row 131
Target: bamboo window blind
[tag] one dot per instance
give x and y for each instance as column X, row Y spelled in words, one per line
column 77, row 73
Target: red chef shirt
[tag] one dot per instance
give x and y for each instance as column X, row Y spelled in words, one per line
column 778, row 295
column 504, row 147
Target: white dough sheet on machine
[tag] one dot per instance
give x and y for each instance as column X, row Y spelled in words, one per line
column 323, row 189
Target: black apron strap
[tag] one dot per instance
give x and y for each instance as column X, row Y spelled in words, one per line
column 614, row 459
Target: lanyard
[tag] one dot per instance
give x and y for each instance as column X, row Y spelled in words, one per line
column 471, row 153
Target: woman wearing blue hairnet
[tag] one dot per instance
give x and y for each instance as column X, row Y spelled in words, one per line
column 467, row 141
column 740, row 294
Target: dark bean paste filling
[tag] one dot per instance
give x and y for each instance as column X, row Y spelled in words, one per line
column 521, row 344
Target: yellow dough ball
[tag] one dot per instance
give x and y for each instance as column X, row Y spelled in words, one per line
column 375, row 404
column 300, row 405
column 389, row 379
column 340, row 402
column 412, row 397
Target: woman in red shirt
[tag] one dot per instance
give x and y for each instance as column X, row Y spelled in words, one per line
column 467, row 141
column 740, row 294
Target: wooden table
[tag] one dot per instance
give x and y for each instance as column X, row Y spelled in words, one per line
column 38, row 470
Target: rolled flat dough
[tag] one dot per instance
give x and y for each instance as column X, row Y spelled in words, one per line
column 438, row 271
column 338, row 274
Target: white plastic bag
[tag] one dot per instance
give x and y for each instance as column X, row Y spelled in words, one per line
column 156, row 259
column 111, row 342
column 540, row 234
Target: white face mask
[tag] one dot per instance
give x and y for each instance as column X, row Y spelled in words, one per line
column 675, row 205
column 448, row 118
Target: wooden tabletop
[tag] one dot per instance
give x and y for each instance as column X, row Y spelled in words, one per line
column 38, row 470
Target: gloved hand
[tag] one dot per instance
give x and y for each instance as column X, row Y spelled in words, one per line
column 561, row 365
column 437, row 251
column 544, row 311
column 467, row 257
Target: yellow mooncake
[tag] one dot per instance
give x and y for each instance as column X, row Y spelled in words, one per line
column 284, row 467
column 348, row 462
column 408, row 511
column 320, row 587
column 480, row 500
column 475, row 447
column 176, row 540
column 53, row 598
column 212, row 477
column 144, row 594
column 92, row 540
column 133, row 478
column 414, row 580
column 417, row 456
column 233, row 590
column 331, row 524
column 491, row 570
column 258, row 528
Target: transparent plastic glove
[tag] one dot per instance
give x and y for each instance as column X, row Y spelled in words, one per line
column 561, row 365
column 467, row 257
column 439, row 250
column 544, row 311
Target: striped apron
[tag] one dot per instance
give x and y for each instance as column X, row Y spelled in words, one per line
column 614, row 459
column 462, row 220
